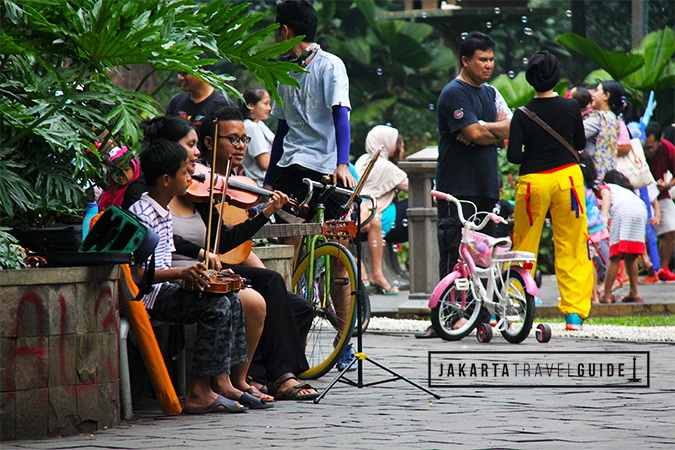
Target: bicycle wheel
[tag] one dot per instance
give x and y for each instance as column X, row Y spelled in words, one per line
column 518, row 307
column 456, row 313
column 328, row 281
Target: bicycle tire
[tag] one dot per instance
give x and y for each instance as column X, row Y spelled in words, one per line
column 450, row 310
column 517, row 302
column 327, row 337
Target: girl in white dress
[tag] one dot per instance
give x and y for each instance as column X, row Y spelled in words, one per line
column 628, row 215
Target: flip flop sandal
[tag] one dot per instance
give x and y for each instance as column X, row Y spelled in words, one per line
column 252, row 402
column 429, row 333
column 393, row 290
column 219, row 405
column 254, row 391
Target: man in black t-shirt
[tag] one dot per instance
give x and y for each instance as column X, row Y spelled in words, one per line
column 469, row 126
column 197, row 101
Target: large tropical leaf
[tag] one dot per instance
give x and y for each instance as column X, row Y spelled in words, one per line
column 658, row 49
column 619, row 65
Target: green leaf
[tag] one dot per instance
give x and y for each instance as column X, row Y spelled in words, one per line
column 619, row 65
column 658, row 49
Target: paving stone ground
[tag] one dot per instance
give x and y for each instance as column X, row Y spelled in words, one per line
column 397, row 415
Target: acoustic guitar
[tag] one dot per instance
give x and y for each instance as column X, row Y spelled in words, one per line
column 231, row 216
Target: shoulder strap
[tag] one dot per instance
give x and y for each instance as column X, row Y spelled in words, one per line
column 550, row 131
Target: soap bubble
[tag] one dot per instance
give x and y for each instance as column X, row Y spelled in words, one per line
column 511, row 73
column 464, row 35
column 497, row 10
column 488, row 25
column 378, row 72
column 568, row 13
column 525, row 61
column 523, row 19
column 527, row 31
column 432, row 106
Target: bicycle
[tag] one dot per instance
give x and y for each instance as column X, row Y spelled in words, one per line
column 507, row 292
column 326, row 270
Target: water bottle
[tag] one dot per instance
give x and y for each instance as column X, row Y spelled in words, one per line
column 91, row 211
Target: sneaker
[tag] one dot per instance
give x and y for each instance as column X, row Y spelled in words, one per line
column 649, row 279
column 493, row 320
column 346, row 358
column 573, row 322
column 666, row 275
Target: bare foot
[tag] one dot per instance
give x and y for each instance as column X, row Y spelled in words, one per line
column 459, row 324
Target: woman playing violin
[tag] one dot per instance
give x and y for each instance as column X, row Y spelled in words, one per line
column 289, row 316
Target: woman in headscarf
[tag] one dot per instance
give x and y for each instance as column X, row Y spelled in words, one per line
column 383, row 183
column 550, row 180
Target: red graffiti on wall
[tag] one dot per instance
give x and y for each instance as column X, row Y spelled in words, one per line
column 24, row 318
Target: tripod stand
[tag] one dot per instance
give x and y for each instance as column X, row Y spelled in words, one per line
column 359, row 356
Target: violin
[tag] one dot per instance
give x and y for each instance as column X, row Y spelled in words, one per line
column 241, row 191
column 220, row 282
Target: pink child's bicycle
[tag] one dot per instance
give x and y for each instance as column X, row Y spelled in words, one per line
column 487, row 276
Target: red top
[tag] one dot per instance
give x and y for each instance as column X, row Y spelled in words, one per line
column 662, row 161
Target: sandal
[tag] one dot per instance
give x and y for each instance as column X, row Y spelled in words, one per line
column 393, row 290
column 293, row 392
column 612, row 299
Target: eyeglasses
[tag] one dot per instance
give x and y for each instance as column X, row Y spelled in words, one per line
column 236, row 140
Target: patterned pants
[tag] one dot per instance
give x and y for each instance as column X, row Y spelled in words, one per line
column 221, row 338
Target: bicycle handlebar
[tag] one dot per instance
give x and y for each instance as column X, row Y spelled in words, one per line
column 467, row 223
column 311, row 184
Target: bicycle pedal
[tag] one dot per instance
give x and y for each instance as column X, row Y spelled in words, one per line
column 462, row 284
column 340, row 281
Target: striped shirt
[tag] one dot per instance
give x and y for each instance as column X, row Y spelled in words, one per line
column 157, row 218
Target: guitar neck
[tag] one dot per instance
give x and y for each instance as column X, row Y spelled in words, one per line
column 288, row 229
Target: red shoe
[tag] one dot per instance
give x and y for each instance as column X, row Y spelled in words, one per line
column 666, row 275
column 650, row 279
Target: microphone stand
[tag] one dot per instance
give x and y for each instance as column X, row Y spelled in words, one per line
column 359, row 356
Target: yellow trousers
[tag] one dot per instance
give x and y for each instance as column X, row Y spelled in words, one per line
column 562, row 193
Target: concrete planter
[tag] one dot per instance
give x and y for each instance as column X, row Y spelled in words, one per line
column 59, row 351
column 278, row 258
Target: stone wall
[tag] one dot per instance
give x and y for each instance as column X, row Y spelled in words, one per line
column 59, row 347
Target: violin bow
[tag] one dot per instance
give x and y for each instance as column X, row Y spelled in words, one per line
column 207, row 245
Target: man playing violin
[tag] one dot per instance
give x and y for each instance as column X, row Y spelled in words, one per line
column 280, row 356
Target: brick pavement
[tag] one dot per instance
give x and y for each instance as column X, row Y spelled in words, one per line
column 397, row 415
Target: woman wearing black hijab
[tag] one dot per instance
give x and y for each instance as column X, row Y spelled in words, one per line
column 550, row 180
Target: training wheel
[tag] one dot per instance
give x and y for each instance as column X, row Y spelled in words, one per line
column 543, row 333
column 484, row 333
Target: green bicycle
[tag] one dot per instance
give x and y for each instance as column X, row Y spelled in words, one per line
column 325, row 274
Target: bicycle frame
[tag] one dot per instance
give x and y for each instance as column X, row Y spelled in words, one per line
column 466, row 267
column 309, row 243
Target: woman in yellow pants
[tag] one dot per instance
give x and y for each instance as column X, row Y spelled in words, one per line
column 551, row 181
